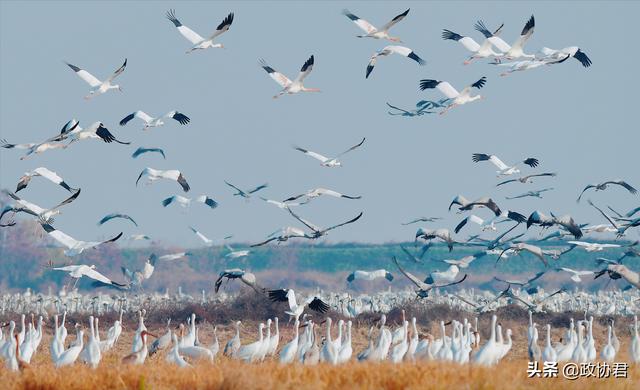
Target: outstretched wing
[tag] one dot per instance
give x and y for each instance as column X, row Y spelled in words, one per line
column 186, row 32
column 179, row 117
column 480, row 83
column 234, row 187
column 66, row 201
column 223, row 26
column 276, row 76
column 410, row 255
column 310, row 153
column 363, row 24
column 477, row 157
column 93, row 274
column 419, row 283
column 278, row 295
column 307, row 67
column 452, row 283
column 343, row 223
column 118, row 71
column 258, row 188
column 624, row 184
column 395, row 20
column 351, row 148
column 603, row 214
column 318, row 305
column 582, row 57
column 443, row 86
column 526, row 33
column 138, row 114
column 59, row 236
column 304, row 222
column 106, row 135
column 84, row 75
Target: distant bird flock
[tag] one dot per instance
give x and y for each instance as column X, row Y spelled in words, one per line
column 307, row 346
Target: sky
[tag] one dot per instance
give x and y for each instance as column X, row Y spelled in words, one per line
column 578, row 122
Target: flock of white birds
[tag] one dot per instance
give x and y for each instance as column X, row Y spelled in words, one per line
column 462, row 345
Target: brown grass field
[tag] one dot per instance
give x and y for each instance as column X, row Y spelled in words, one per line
column 230, row 374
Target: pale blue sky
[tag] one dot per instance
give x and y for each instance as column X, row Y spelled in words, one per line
column 579, row 122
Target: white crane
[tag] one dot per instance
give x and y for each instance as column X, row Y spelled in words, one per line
column 78, row 271
column 73, row 132
column 523, row 246
column 424, row 288
column 490, row 224
column 593, row 246
column 74, row 247
column 516, row 50
column 371, row 31
column 283, row 235
column 137, row 277
column 487, row 355
column 464, row 262
column 576, row 274
column 557, row 56
column 503, row 169
column 173, row 174
column 466, row 205
column 290, row 87
column 295, row 310
column 138, row 357
column 208, row 242
column 25, row 206
column 456, row 98
column 369, row 275
column 283, row 205
column 150, row 121
column 98, row 87
column 329, row 161
column 533, row 194
column 33, row 148
column 249, row 352
column 288, row 352
column 430, row 234
column 527, row 179
column 91, row 353
column 620, row 228
column 198, row 42
column 246, row 193
column 387, row 51
column 174, row 256
column 174, row 355
column 245, row 277
column 232, row 346
column 483, row 50
column 186, row 202
column 519, row 66
column 70, row 355
column 566, row 221
column 318, row 192
column 421, row 219
column 316, row 231
column 604, row 185
column 235, row 254
column 45, row 173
